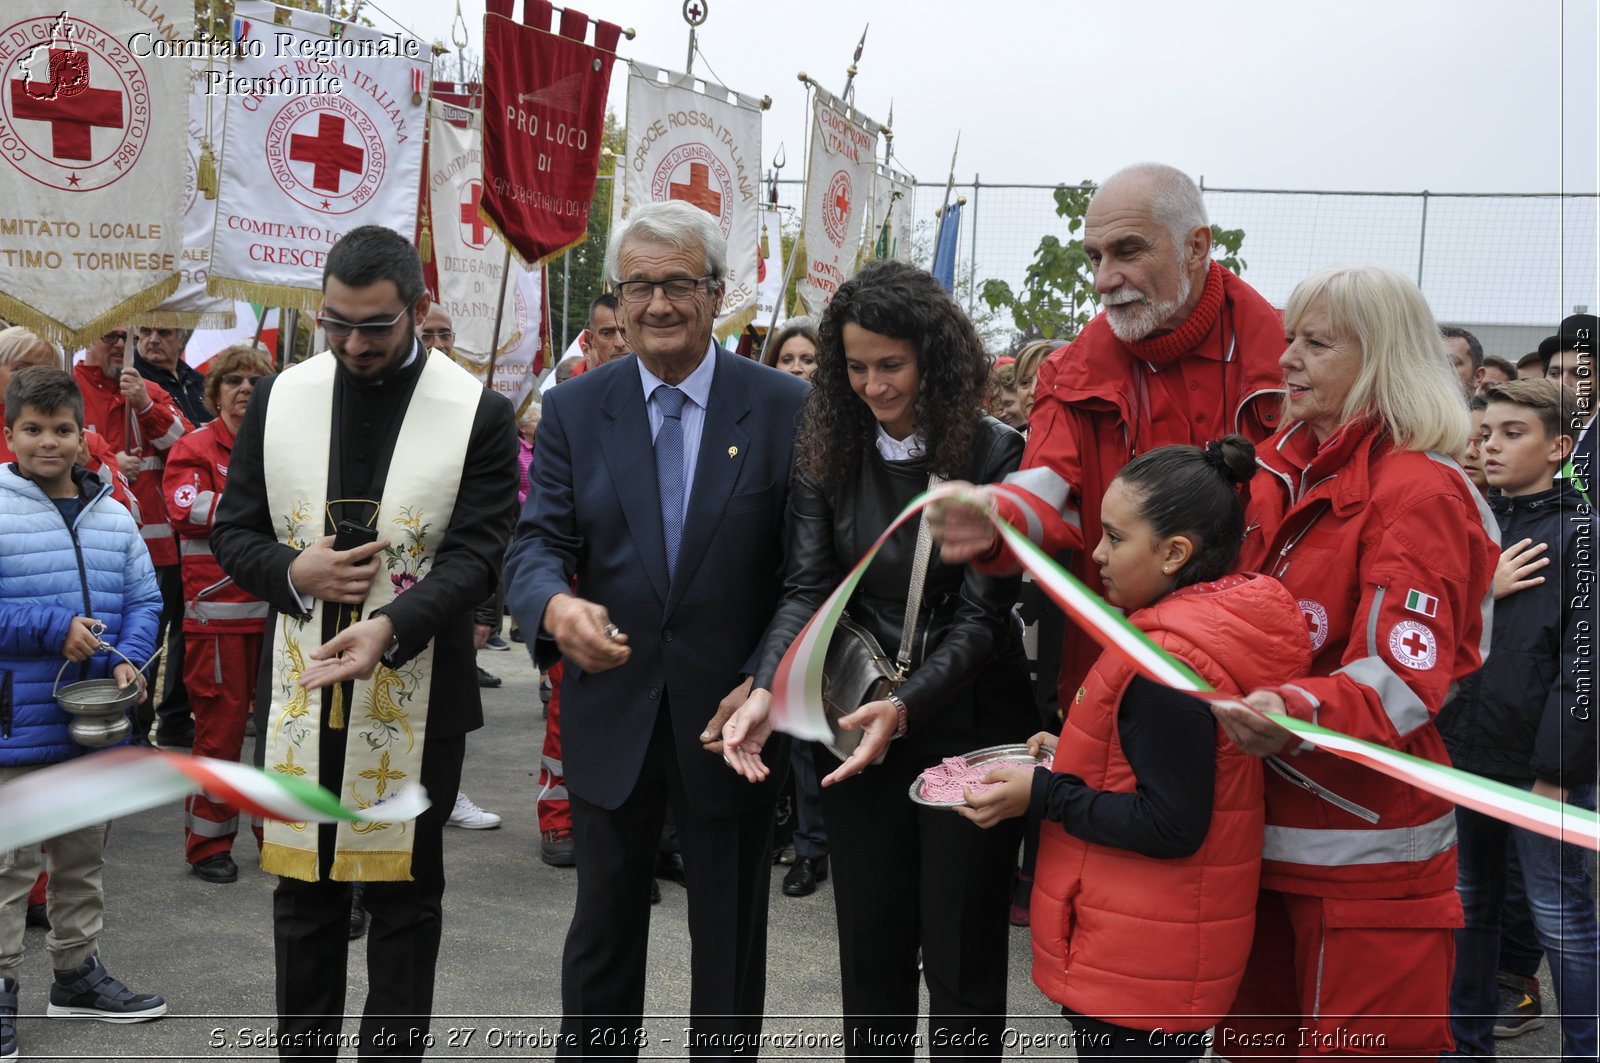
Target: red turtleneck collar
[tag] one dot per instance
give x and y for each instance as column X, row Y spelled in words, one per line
column 1162, row 350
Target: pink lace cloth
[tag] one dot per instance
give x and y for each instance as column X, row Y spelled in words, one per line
column 945, row 781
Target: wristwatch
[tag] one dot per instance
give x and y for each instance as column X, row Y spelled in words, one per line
column 899, row 714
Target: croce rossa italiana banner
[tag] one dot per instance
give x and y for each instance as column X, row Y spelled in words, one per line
column 844, row 146
column 325, row 126
column 92, row 125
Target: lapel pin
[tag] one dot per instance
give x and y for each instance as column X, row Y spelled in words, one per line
column 733, row 452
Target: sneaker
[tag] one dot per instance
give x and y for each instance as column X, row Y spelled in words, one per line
column 1520, row 1010
column 468, row 815
column 555, row 848
column 487, row 679
column 496, row 643
column 8, row 1018
column 91, row 992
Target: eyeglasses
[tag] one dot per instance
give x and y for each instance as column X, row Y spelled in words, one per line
column 112, row 338
column 234, row 380
column 376, row 331
column 676, row 289
column 436, row 334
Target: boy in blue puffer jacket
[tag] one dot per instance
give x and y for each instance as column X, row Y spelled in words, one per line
column 70, row 560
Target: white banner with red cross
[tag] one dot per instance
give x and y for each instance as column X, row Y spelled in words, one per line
column 844, row 146
column 191, row 306
column 324, row 132
column 700, row 143
column 91, row 221
column 469, row 259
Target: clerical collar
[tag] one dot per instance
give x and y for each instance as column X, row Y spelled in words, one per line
column 908, row 449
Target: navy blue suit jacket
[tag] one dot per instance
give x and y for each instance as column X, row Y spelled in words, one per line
column 593, row 512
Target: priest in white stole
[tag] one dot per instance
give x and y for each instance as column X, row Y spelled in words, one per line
column 370, row 495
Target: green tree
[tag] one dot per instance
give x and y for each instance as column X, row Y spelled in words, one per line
column 1057, row 297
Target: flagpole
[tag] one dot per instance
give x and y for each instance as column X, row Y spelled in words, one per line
column 499, row 309
column 949, row 187
column 788, row 268
column 848, row 96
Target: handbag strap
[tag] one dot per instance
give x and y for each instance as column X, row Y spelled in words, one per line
column 919, row 576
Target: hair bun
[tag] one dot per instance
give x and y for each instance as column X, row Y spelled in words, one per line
column 1233, row 456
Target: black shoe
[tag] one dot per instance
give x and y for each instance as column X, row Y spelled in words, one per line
column 178, row 735
column 802, row 879
column 516, row 635
column 670, row 867
column 545, row 691
column 655, row 892
column 39, row 916
column 90, row 992
column 556, row 849
column 358, row 914
column 487, row 680
column 1520, row 1007
column 219, row 869
column 8, row 1018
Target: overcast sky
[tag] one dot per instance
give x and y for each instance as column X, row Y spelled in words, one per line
column 1378, row 95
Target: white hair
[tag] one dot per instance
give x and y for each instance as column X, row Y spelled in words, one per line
column 1175, row 201
column 674, row 224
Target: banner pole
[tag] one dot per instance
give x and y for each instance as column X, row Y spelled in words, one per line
column 788, row 268
column 499, row 309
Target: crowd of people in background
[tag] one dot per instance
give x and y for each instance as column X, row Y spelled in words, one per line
column 1340, row 511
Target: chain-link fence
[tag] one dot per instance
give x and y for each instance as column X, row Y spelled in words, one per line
column 1507, row 266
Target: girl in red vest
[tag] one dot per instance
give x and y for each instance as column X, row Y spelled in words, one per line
column 1150, row 853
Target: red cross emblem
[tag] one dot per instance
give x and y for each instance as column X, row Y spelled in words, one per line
column 841, row 201
column 72, row 108
column 698, row 192
column 1413, row 645
column 1316, row 621
column 473, row 230
column 327, row 152
column 836, row 208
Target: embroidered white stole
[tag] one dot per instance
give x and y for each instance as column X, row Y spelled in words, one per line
column 386, row 714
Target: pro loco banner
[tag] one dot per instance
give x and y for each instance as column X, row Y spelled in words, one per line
column 91, row 222
column 469, row 258
column 191, row 306
column 889, row 229
column 324, row 130
column 544, row 118
column 699, row 143
column 844, row 145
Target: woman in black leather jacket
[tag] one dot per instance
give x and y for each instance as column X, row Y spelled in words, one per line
column 897, row 396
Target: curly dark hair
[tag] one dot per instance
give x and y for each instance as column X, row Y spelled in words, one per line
column 903, row 302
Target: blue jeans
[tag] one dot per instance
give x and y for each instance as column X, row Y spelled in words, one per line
column 1561, row 899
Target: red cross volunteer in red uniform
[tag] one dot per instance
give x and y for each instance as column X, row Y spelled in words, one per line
column 1184, row 352
column 1360, row 513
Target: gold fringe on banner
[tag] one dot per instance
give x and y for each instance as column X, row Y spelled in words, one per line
column 48, row 328
column 206, row 177
column 731, row 328
column 277, row 859
column 189, row 319
column 279, row 295
column 495, row 227
column 425, row 239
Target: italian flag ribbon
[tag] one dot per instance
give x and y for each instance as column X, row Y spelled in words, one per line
column 797, row 686
column 119, row 782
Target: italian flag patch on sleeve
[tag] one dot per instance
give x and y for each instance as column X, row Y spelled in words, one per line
column 1421, row 604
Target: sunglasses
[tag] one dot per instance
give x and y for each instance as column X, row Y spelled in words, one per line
column 234, row 380
column 376, row 331
column 111, row 338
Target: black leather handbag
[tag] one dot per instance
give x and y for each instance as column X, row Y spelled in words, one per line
column 855, row 669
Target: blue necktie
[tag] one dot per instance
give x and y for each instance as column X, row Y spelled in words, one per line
column 669, row 469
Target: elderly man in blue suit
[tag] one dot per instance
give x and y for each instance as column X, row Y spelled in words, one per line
column 661, row 485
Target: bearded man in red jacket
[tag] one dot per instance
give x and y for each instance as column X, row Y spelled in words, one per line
column 1183, row 352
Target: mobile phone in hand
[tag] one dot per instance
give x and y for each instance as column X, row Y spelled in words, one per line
column 347, row 535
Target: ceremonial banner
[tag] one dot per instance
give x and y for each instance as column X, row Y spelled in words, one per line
column 324, row 134
column 190, row 306
column 944, row 251
column 844, row 145
column 888, row 233
column 769, row 271
column 469, row 258
column 91, row 221
column 544, row 118
column 701, row 146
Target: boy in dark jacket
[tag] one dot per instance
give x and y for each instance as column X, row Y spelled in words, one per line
column 73, row 573
column 1526, row 718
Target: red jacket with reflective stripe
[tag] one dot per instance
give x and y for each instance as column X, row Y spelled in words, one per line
column 1100, row 401
column 197, row 470
column 1391, row 555
column 105, row 411
column 1163, row 943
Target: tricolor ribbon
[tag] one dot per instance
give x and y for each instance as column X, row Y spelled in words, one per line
column 797, row 693
column 119, row 782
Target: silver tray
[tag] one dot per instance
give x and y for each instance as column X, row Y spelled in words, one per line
column 1014, row 753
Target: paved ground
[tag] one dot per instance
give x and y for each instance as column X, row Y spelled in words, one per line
column 208, row 949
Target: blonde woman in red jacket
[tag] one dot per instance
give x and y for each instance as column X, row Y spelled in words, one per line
column 1150, row 853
